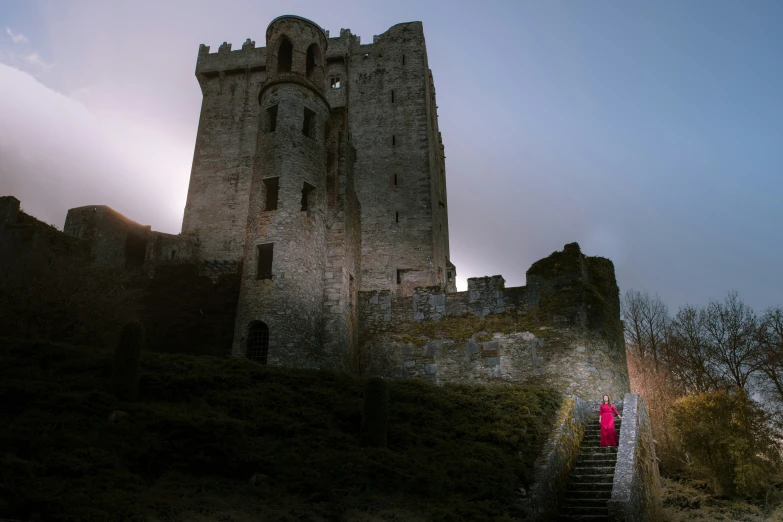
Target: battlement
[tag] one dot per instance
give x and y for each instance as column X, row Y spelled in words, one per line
column 562, row 327
column 247, row 59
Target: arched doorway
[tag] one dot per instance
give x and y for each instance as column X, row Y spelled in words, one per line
column 258, row 342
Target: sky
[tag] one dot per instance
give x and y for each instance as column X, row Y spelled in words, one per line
column 649, row 132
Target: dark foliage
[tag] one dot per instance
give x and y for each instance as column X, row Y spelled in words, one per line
column 375, row 413
column 227, row 439
column 127, row 355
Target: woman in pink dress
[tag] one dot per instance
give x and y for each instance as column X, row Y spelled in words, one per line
column 607, row 411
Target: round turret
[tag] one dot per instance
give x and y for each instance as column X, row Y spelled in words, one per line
column 296, row 51
column 280, row 313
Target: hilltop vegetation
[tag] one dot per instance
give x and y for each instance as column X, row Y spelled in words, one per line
column 228, row 439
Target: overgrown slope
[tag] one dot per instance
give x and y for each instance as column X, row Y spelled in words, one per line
column 204, row 426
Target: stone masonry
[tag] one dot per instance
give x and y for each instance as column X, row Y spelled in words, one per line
column 318, row 184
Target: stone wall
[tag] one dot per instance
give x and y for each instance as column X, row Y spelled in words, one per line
column 114, row 240
column 636, row 492
column 65, row 288
column 563, row 329
column 388, row 93
column 556, row 461
column 394, row 125
column 217, row 202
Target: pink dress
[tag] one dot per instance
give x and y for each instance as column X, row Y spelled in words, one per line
column 608, row 431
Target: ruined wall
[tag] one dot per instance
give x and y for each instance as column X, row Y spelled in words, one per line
column 563, row 329
column 217, row 202
column 557, row 460
column 22, row 235
column 113, row 239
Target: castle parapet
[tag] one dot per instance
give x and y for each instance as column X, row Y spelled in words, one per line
column 248, row 59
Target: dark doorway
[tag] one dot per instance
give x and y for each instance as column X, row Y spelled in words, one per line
column 258, row 342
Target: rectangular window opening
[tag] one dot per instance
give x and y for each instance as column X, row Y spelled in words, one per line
column 392, row 96
column 394, row 139
column 403, row 59
column 396, row 217
column 449, row 276
column 334, row 82
column 306, row 190
column 271, row 186
column 265, row 261
column 394, row 180
column 271, row 118
column 308, row 126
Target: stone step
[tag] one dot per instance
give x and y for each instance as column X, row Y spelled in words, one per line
column 594, row 464
column 585, row 510
column 589, row 486
column 583, row 518
column 605, row 449
column 579, row 502
column 592, row 470
column 575, row 494
column 590, row 478
column 609, row 457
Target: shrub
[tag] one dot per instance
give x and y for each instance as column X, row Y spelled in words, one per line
column 730, row 437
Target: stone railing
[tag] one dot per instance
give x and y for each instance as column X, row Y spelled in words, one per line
column 636, row 492
column 557, row 460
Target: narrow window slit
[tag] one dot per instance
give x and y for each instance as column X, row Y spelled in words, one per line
column 306, row 191
column 271, row 186
column 308, row 126
column 271, row 119
column 265, row 260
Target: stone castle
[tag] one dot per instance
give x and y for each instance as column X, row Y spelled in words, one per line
column 318, row 179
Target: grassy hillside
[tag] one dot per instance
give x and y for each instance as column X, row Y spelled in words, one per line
column 204, row 426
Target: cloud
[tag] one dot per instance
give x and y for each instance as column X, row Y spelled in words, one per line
column 35, row 59
column 16, row 37
column 55, row 154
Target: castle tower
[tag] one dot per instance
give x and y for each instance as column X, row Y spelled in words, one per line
column 280, row 311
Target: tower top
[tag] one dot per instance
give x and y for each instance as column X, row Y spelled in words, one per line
column 295, row 17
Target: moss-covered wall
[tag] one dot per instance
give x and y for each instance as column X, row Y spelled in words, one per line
column 557, row 459
column 562, row 329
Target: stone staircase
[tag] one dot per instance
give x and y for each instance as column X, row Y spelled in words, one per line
column 590, row 483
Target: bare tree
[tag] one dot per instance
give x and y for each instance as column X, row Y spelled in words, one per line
column 646, row 322
column 732, row 332
column 770, row 362
column 689, row 355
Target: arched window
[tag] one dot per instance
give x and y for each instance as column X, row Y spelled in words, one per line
column 312, row 60
column 285, row 55
column 258, row 342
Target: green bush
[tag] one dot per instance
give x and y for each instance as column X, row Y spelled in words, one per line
column 730, row 437
column 127, row 355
